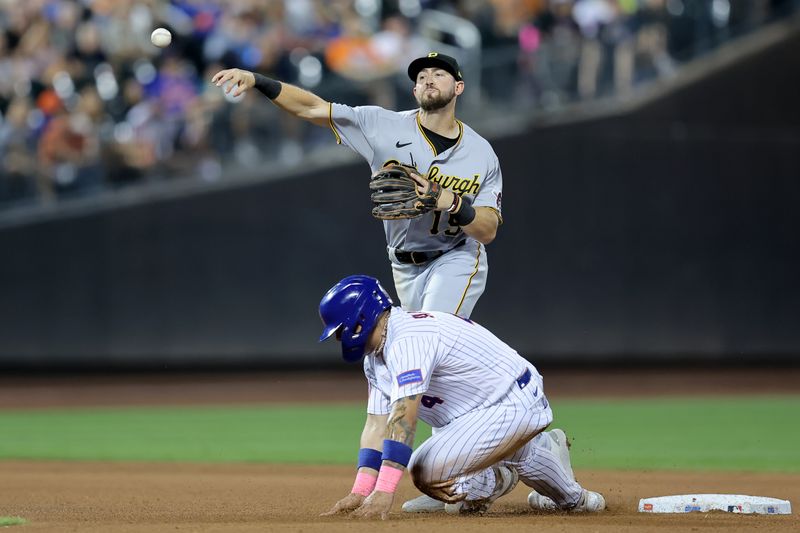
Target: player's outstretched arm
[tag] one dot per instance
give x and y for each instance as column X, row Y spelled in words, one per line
column 369, row 462
column 294, row 100
column 400, row 430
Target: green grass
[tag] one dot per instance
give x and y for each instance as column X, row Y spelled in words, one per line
column 729, row 433
column 11, row 521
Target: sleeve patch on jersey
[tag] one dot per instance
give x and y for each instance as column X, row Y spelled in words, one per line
column 409, row 377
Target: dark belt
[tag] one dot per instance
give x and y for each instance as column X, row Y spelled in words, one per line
column 524, row 378
column 420, row 258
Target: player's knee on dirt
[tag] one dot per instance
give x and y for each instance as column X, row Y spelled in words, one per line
column 430, row 485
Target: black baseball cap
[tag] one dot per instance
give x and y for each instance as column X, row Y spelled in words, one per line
column 435, row 60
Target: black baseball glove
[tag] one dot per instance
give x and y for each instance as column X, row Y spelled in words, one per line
column 395, row 194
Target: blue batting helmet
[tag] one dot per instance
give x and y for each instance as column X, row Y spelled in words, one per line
column 354, row 301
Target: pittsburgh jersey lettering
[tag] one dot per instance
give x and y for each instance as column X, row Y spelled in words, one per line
column 458, row 185
column 469, row 168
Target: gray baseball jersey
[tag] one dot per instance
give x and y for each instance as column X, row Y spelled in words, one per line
column 469, row 168
column 484, row 399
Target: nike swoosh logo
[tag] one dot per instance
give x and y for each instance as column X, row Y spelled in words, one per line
column 398, row 145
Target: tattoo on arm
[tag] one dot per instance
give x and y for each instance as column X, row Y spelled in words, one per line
column 401, row 426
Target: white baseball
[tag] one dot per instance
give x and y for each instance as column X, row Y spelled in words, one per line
column 161, row 37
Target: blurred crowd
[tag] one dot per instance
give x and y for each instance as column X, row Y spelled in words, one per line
column 87, row 103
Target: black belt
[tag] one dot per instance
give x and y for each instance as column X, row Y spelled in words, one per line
column 524, row 378
column 420, row 258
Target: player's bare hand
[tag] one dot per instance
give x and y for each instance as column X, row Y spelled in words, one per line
column 423, row 186
column 376, row 505
column 234, row 79
column 345, row 505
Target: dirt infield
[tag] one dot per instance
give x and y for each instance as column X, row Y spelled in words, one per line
column 119, row 498
column 122, row 497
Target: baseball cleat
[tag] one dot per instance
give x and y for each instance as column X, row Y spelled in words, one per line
column 507, row 479
column 561, row 446
column 590, row 502
column 423, row 504
column 541, row 503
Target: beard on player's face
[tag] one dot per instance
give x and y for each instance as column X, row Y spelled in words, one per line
column 434, row 100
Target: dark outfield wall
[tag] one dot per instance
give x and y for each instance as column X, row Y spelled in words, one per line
column 235, row 274
column 672, row 232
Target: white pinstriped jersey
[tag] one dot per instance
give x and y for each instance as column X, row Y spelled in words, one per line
column 469, row 168
column 456, row 364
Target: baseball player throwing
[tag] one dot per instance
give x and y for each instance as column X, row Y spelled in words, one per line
column 438, row 257
column 487, row 402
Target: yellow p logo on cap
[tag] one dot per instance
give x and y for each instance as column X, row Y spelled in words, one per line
column 433, row 54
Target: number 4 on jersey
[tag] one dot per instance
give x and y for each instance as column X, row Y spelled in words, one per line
column 430, row 401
